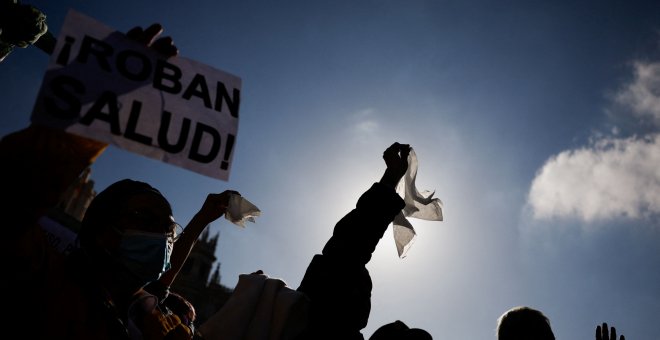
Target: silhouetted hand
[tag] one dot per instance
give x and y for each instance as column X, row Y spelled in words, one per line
column 396, row 159
column 215, row 206
column 20, row 26
column 149, row 37
column 602, row 333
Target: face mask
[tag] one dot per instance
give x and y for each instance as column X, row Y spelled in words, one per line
column 146, row 255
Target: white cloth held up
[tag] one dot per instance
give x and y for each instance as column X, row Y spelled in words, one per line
column 240, row 210
column 420, row 205
column 260, row 308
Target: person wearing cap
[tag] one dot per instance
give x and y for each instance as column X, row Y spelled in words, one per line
column 126, row 241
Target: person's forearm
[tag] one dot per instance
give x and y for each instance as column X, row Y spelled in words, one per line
column 182, row 248
column 390, row 179
column 356, row 235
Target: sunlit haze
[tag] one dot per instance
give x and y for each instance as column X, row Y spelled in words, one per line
column 537, row 123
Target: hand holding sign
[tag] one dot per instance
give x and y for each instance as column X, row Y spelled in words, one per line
column 164, row 45
column 103, row 86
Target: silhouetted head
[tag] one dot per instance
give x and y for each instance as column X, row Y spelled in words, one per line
column 130, row 223
column 524, row 323
column 398, row 330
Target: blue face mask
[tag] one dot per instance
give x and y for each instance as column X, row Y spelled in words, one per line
column 146, row 255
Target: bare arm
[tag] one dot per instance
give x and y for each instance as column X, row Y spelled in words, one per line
column 213, row 208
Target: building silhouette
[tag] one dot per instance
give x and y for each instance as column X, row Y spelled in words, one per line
column 198, row 280
column 78, row 196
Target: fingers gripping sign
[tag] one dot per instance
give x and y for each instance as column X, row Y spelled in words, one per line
column 130, row 91
column 149, row 37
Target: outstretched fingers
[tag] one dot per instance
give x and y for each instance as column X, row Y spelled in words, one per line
column 150, row 34
column 605, row 333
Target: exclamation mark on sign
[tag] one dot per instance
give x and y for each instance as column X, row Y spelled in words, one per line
column 230, row 146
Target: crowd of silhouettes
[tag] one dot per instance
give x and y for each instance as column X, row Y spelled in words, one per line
column 115, row 284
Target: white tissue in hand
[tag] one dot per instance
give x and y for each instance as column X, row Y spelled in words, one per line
column 421, row 205
column 240, row 210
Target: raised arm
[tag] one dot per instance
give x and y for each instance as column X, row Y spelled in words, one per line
column 337, row 281
column 213, row 208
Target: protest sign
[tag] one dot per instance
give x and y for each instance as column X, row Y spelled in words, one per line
column 101, row 85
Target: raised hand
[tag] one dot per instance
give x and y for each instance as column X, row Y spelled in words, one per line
column 215, row 206
column 20, row 26
column 602, row 333
column 396, row 159
column 149, row 37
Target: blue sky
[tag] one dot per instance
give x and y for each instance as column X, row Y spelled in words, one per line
column 537, row 123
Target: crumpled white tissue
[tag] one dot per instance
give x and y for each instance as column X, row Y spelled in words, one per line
column 240, row 210
column 420, row 205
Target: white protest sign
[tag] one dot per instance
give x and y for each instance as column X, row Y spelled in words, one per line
column 101, row 85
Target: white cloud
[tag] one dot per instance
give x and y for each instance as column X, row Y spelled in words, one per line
column 367, row 126
column 642, row 95
column 611, row 177
column 364, row 126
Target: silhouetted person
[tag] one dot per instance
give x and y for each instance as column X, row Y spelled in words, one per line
column 337, row 280
column 126, row 241
column 524, row 323
column 38, row 162
column 398, row 330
